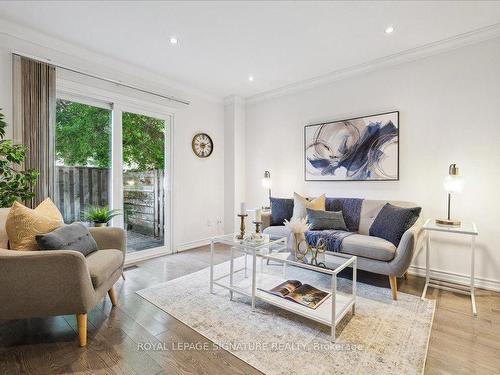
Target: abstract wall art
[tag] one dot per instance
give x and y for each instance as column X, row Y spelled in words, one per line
column 358, row 149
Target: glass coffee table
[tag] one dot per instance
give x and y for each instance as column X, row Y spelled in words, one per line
column 330, row 312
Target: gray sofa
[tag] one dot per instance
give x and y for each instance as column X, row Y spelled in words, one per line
column 59, row 282
column 374, row 254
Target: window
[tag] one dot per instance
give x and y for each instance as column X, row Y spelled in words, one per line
column 82, row 158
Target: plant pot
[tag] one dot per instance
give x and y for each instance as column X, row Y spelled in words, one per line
column 98, row 225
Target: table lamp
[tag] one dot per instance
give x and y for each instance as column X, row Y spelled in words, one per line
column 453, row 183
column 267, row 184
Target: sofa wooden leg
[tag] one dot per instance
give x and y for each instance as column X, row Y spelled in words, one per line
column 394, row 287
column 406, row 275
column 112, row 296
column 81, row 322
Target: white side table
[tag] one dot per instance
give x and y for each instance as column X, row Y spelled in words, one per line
column 468, row 229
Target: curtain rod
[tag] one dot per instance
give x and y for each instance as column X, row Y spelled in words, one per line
column 48, row 61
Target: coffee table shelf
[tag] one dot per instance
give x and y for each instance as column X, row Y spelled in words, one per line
column 330, row 312
column 322, row 314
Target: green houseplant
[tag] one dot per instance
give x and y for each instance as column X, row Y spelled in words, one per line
column 15, row 184
column 100, row 216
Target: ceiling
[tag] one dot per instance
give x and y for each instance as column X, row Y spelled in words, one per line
column 221, row 43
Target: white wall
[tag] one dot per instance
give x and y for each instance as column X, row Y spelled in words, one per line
column 198, row 194
column 234, row 161
column 449, row 112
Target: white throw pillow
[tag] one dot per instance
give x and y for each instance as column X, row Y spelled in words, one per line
column 301, row 204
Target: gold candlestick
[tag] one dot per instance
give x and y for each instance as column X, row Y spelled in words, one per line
column 242, row 226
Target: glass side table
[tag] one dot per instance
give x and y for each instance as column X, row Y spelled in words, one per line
column 467, row 229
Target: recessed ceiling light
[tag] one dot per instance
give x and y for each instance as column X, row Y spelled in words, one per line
column 389, row 29
column 173, row 40
column 250, row 78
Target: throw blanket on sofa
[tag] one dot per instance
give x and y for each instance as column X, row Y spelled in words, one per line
column 351, row 210
column 333, row 238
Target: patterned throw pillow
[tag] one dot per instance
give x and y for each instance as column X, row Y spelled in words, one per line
column 392, row 221
column 323, row 220
column 300, row 204
column 23, row 224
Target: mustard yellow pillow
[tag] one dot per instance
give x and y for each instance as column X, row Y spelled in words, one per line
column 301, row 204
column 23, row 224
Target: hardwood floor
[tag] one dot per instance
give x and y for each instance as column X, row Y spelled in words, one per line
column 459, row 344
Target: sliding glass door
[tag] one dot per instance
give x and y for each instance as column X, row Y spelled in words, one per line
column 82, row 156
column 143, row 140
column 109, row 157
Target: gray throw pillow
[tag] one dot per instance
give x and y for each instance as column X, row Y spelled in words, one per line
column 321, row 220
column 392, row 221
column 74, row 236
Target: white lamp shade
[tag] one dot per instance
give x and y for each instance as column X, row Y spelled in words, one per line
column 267, row 183
column 453, row 184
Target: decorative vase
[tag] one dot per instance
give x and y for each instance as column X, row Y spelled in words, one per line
column 299, row 246
column 98, row 225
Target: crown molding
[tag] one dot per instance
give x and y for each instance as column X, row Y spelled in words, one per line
column 233, row 99
column 27, row 41
column 421, row 52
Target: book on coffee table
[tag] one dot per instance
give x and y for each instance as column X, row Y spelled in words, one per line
column 303, row 294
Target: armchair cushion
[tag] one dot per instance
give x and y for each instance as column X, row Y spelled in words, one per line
column 74, row 236
column 102, row 264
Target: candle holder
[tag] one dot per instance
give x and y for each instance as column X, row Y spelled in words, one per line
column 242, row 226
column 257, row 226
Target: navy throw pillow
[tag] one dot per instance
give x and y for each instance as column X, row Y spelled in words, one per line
column 74, row 236
column 281, row 210
column 392, row 221
column 321, row 220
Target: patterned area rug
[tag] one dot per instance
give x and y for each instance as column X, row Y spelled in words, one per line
column 383, row 337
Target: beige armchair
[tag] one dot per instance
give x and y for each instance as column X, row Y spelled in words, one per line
column 59, row 282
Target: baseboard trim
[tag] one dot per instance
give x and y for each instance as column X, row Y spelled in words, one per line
column 145, row 255
column 192, row 244
column 488, row 284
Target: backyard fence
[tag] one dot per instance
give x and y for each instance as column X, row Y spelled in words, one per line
column 77, row 188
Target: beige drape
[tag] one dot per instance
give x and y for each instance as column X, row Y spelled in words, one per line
column 34, row 120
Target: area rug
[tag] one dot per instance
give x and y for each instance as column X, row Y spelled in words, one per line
column 383, row 337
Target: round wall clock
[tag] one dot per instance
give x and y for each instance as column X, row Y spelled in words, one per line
column 202, row 145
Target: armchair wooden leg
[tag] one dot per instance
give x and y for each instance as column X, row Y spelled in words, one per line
column 394, row 287
column 406, row 275
column 81, row 322
column 112, row 296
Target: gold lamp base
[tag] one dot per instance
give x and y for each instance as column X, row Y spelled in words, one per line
column 448, row 222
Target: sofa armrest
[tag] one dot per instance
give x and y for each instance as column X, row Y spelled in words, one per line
column 110, row 238
column 266, row 219
column 407, row 248
column 44, row 283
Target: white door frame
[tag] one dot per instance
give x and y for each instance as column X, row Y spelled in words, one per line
column 118, row 103
column 142, row 255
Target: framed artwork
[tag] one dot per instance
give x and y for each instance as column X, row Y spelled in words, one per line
column 357, row 149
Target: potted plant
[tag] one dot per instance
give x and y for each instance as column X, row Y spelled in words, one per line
column 15, row 183
column 100, row 216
